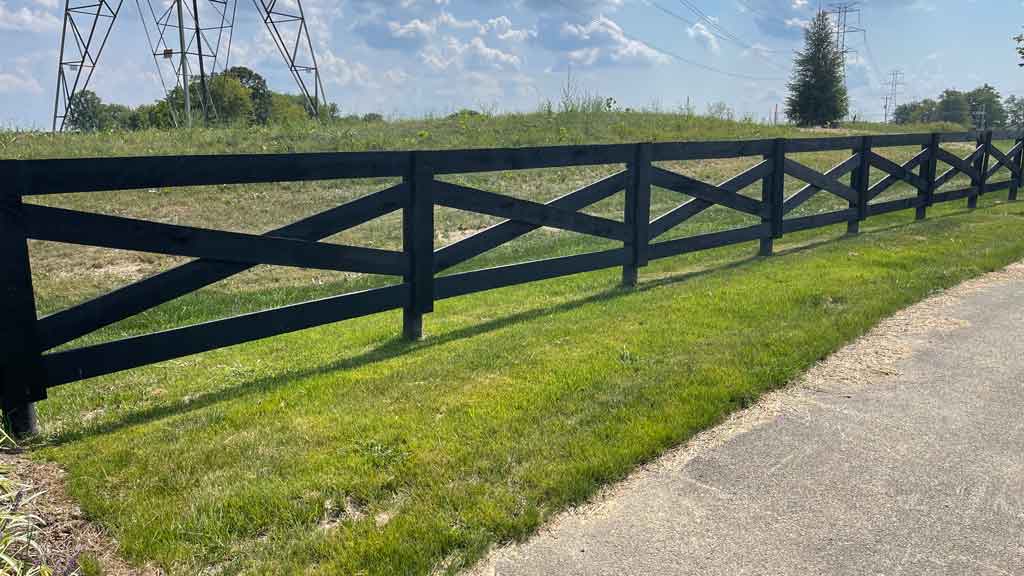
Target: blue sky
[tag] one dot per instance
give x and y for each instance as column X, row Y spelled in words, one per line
column 413, row 57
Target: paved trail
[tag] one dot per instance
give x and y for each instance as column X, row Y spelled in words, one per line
column 901, row 454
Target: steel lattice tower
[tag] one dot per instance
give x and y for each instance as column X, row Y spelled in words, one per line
column 186, row 38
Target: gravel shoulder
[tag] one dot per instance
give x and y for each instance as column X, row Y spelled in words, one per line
column 899, row 454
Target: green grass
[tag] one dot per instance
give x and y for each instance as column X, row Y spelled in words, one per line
column 344, row 449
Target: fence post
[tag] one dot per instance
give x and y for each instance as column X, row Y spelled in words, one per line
column 981, row 166
column 21, row 373
column 418, row 245
column 927, row 172
column 773, row 195
column 637, row 213
column 860, row 181
column 1016, row 161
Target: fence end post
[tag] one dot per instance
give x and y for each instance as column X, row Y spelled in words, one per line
column 21, row 371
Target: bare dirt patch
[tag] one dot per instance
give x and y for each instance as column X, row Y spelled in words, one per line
column 66, row 536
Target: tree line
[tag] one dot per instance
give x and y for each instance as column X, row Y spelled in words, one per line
column 236, row 96
column 983, row 108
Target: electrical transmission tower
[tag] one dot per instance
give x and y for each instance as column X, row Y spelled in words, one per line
column 840, row 13
column 186, row 38
column 87, row 25
column 895, row 83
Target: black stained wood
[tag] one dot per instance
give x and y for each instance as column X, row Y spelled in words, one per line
column 691, row 208
column 797, row 170
column 1005, row 160
column 958, row 137
column 67, row 325
column 953, row 195
column 225, row 253
column 986, row 142
column 834, row 173
column 778, row 188
column 21, row 379
column 894, row 205
column 666, row 151
column 997, row 186
column 891, row 179
column 927, row 173
column 480, row 201
column 505, row 232
column 60, row 225
column 961, row 165
column 691, row 187
column 892, row 140
column 897, row 170
column 818, row 220
column 1006, row 134
column 708, row 241
column 420, row 249
column 110, row 357
column 501, row 159
column 641, row 203
column 488, row 279
column 861, row 180
column 1018, row 159
column 801, row 145
column 97, row 174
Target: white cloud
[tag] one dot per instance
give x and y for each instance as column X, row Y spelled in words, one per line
column 702, row 35
column 25, row 19
column 600, row 42
column 11, row 83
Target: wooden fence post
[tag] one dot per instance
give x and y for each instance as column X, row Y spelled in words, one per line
column 980, row 166
column 773, row 195
column 860, row 181
column 418, row 245
column 1017, row 160
column 637, row 213
column 927, row 172
column 21, row 374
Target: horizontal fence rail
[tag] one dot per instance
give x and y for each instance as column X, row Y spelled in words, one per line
column 29, row 363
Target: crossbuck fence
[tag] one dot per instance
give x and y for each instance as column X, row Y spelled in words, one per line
column 29, row 365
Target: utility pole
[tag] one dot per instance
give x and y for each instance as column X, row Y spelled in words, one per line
column 886, row 101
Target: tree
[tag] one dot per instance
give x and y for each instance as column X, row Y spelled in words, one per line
column 916, row 112
column 954, row 107
column 817, row 94
column 231, row 99
column 1015, row 111
column 86, row 112
column 258, row 91
column 287, row 109
column 988, row 104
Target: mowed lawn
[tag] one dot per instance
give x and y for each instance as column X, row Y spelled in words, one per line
column 344, row 449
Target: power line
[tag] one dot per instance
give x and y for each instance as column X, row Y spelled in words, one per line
column 757, row 51
column 722, row 32
column 673, row 54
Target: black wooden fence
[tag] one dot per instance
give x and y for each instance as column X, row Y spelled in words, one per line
column 29, row 366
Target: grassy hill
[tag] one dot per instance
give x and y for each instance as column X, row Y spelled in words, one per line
column 344, row 449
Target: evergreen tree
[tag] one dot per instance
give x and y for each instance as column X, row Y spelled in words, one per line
column 817, row 95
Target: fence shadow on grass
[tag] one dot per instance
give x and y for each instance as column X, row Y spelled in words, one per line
column 387, row 350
